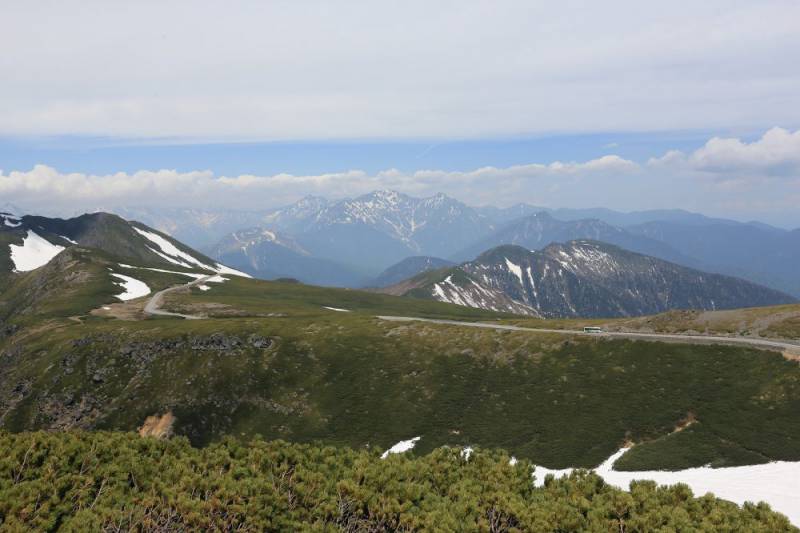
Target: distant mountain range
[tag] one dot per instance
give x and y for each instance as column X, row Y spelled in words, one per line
column 350, row 242
column 582, row 279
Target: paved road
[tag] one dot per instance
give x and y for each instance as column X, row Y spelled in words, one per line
column 153, row 306
column 786, row 346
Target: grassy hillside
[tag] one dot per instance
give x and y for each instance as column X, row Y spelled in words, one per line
column 74, row 283
column 777, row 321
column 306, row 373
column 258, row 298
column 113, row 481
column 274, row 360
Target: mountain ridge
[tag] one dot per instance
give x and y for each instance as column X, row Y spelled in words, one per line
column 583, row 278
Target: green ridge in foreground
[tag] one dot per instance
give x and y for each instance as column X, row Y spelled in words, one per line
column 117, row 481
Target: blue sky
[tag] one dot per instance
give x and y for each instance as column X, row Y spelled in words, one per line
column 108, row 155
column 622, row 104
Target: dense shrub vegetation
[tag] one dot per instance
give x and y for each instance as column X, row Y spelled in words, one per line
column 95, row 481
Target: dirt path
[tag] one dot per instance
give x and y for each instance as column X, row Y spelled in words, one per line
column 783, row 346
column 153, row 306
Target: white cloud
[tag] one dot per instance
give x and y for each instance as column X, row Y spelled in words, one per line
column 776, row 153
column 725, row 177
column 366, row 69
column 45, row 186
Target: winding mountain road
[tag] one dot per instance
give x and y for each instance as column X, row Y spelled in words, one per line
column 782, row 345
column 153, row 305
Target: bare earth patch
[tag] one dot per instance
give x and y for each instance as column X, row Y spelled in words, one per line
column 131, row 310
column 156, row 426
column 792, row 356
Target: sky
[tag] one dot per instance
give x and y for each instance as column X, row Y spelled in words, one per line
column 621, row 104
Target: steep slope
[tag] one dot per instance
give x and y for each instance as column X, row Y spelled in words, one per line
column 30, row 242
column 585, row 279
column 538, row 230
column 269, row 255
column 760, row 253
column 408, row 268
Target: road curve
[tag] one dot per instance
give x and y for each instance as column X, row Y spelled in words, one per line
column 786, row 346
column 153, row 306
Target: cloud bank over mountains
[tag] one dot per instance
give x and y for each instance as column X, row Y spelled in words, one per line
column 725, row 176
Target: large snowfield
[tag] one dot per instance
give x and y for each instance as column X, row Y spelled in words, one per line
column 777, row 483
column 33, row 253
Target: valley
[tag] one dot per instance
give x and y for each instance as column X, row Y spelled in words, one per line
column 207, row 353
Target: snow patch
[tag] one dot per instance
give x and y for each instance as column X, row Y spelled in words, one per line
column 33, row 253
column 540, row 472
column 11, row 221
column 336, row 309
column 438, row 292
column 204, row 287
column 171, row 252
column 190, row 274
column 777, row 483
column 68, row 239
column 515, row 269
column 400, row 447
column 222, row 269
column 133, row 287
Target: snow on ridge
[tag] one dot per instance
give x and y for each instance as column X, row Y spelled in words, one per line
column 33, row 253
column 400, row 447
column 438, row 293
column 190, row 274
column 174, row 255
column 515, row 269
column 10, row 220
column 222, row 269
column 133, row 287
column 68, row 239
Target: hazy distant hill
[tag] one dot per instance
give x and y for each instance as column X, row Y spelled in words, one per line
column 408, row 267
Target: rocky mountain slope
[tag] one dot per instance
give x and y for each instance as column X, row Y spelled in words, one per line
column 584, row 279
column 29, row 242
column 369, row 233
column 57, row 267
